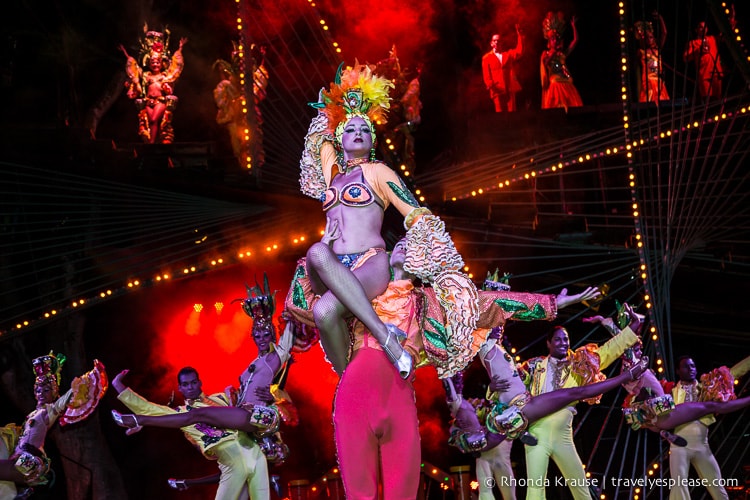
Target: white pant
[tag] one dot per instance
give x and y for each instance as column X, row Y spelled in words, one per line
column 555, row 435
column 493, row 467
column 244, row 471
column 697, row 453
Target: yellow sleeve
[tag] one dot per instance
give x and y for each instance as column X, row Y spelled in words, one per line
column 614, row 347
column 9, row 435
column 740, row 368
column 142, row 406
column 219, row 399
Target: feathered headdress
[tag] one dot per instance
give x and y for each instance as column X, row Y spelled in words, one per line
column 641, row 28
column 154, row 44
column 47, row 368
column 553, row 24
column 356, row 91
column 228, row 68
column 259, row 304
column 86, row 390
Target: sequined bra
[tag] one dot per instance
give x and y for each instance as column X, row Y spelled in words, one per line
column 353, row 194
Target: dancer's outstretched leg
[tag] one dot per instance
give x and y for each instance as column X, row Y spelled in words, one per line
column 687, row 412
column 224, row 417
column 550, row 402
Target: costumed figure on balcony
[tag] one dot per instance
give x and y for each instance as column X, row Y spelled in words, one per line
column 558, row 90
column 242, row 119
column 651, row 87
column 404, row 113
column 703, row 50
column 151, row 82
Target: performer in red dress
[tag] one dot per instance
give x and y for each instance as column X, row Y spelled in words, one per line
column 651, row 87
column 558, row 90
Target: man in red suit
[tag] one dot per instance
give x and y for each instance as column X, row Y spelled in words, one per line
column 499, row 75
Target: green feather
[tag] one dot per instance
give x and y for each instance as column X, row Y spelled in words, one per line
column 337, row 80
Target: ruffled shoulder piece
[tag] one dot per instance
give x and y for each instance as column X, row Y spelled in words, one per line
column 718, row 385
column 585, row 363
column 311, row 180
column 450, row 317
column 88, row 390
column 430, row 249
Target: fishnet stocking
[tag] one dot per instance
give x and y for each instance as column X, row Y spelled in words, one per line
column 344, row 292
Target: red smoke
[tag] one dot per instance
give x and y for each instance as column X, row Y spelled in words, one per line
column 367, row 30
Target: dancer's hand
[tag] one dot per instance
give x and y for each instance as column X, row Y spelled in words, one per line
column 264, row 394
column 595, row 319
column 564, row 300
column 636, row 320
column 331, row 232
column 607, row 323
column 117, row 383
column 499, row 385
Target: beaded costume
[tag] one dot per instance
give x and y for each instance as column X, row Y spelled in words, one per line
column 431, row 254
